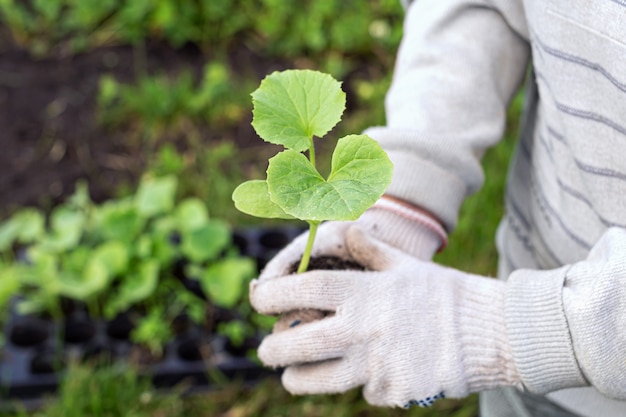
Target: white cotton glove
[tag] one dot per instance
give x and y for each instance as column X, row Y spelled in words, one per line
column 409, row 331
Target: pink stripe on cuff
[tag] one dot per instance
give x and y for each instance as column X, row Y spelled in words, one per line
column 404, row 210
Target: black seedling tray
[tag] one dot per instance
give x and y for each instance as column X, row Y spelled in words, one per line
column 263, row 243
column 37, row 350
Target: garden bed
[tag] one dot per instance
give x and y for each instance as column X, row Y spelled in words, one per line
column 51, row 135
column 38, row 349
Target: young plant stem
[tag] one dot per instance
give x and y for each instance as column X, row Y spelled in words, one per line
column 306, row 255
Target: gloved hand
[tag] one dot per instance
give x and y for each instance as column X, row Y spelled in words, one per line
column 409, row 331
column 390, row 220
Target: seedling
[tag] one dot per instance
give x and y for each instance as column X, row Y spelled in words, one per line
column 124, row 255
column 290, row 109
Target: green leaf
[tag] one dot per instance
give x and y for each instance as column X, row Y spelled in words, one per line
column 9, row 284
column 45, row 263
column 235, row 330
column 75, row 260
column 80, row 199
column 49, row 9
column 136, row 287
column 67, row 226
column 65, row 220
column 161, row 234
column 290, row 107
column 153, row 330
column 119, row 220
column 108, row 90
column 9, row 230
column 142, row 284
column 106, row 261
column 360, row 173
column 205, row 243
column 252, row 197
column 94, row 278
column 225, row 281
column 156, row 195
column 113, row 255
column 194, row 306
column 25, row 226
column 32, row 225
column 191, row 214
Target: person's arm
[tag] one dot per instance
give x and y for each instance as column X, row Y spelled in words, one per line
column 411, row 332
column 459, row 65
column 567, row 326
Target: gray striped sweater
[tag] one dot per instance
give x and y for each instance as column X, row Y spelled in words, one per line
column 563, row 239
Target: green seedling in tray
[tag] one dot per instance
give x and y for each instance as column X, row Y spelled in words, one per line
column 291, row 108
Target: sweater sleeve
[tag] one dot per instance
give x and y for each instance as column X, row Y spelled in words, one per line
column 459, row 64
column 567, row 327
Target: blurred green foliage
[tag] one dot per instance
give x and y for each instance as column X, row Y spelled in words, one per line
column 130, row 255
column 116, row 391
column 158, row 106
column 105, row 391
column 277, row 27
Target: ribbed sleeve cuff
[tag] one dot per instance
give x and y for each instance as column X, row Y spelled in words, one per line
column 487, row 360
column 538, row 331
column 409, row 230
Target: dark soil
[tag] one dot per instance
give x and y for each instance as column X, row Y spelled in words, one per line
column 50, row 134
column 334, row 263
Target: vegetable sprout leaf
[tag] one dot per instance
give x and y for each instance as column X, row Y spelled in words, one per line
column 236, row 331
column 11, row 283
column 191, row 214
column 156, row 195
column 67, row 227
column 224, row 281
column 119, row 220
column 25, row 226
column 107, row 260
column 206, row 242
column 290, row 107
column 136, row 287
column 361, row 171
column 9, row 230
column 153, row 330
column 32, row 225
column 252, row 197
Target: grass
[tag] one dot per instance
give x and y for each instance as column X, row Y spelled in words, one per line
column 270, row 399
column 106, row 391
column 117, row 392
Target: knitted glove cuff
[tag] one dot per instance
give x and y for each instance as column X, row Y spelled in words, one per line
column 486, row 355
column 404, row 226
column 539, row 331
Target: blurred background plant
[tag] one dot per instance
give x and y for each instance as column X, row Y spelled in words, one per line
column 135, row 256
column 112, row 91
